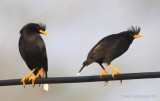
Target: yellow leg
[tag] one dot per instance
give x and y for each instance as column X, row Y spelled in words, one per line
column 103, row 73
column 35, row 77
column 24, row 79
column 117, row 72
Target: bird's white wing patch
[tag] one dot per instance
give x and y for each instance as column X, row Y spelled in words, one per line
column 96, row 48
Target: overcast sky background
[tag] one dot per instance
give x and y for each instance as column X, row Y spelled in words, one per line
column 74, row 27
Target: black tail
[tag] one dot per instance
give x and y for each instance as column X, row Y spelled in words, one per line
column 46, row 75
column 45, row 86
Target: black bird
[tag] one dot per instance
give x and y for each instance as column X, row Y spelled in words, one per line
column 33, row 52
column 111, row 47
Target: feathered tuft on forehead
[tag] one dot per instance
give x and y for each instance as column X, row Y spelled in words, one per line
column 134, row 30
column 42, row 26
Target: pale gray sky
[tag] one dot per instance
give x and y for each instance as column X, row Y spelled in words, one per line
column 74, row 27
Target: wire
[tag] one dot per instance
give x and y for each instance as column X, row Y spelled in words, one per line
column 81, row 79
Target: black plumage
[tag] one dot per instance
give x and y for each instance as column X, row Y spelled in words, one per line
column 33, row 50
column 111, row 47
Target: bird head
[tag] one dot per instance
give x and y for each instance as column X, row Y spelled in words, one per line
column 134, row 32
column 35, row 27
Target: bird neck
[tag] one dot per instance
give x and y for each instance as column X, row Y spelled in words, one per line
column 130, row 39
column 27, row 35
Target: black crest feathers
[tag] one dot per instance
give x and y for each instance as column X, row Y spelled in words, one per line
column 134, row 30
column 42, row 26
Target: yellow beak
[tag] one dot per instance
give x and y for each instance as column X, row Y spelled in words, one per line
column 43, row 32
column 138, row 36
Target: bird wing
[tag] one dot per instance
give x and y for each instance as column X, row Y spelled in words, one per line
column 96, row 52
column 99, row 51
column 40, row 53
column 34, row 53
column 22, row 49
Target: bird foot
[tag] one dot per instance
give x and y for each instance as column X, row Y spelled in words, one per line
column 120, row 82
column 105, row 83
column 104, row 73
column 24, row 79
column 116, row 73
column 35, row 77
column 33, row 80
